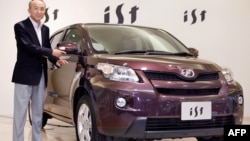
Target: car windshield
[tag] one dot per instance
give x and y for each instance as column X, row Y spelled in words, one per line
column 123, row 39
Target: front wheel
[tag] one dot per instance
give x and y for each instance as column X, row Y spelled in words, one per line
column 85, row 124
column 86, row 128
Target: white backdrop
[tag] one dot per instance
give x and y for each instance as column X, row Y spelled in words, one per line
column 221, row 31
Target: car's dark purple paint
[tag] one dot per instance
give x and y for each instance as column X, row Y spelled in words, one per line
column 153, row 108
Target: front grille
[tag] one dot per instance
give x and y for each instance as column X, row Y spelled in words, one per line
column 176, row 77
column 189, row 92
column 159, row 124
column 166, row 76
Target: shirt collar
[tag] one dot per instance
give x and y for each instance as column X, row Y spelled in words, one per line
column 36, row 26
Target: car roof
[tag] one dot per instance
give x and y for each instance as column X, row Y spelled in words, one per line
column 103, row 24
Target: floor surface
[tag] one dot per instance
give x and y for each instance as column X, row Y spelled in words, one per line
column 56, row 131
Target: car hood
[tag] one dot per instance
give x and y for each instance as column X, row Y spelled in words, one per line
column 159, row 62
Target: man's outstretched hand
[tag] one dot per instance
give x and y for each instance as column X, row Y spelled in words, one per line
column 58, row 53
column 59, row 63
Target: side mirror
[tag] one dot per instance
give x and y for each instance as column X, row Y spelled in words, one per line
column 68, row 47
column 194, row 51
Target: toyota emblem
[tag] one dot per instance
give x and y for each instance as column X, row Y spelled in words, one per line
column 189, row 73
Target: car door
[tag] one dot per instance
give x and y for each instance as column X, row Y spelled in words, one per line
column 63, row 81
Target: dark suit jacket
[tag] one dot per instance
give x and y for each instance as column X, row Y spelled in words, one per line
column 31, row 56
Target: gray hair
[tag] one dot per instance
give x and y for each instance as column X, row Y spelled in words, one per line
column 34, row 0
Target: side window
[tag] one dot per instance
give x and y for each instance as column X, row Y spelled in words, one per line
column 74, row 35
column 56, row 39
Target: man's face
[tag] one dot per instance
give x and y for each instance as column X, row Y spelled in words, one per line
column 37, row 10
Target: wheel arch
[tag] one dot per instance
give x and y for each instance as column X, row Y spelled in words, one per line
column 81, row 91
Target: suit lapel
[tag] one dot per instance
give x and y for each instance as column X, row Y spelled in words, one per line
column 32, row 31
column 43, row 30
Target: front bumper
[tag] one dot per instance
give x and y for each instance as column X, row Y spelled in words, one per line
column 149, row 115
column 138, row 129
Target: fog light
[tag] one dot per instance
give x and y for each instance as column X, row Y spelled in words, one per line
column 240, row 100
column 121, row 102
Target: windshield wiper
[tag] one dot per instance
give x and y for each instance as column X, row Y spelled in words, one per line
column 157, row 52
column 182, row 54
column 145, row 52
column 153, row 52
column 131, row 52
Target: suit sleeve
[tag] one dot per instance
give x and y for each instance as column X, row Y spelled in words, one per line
column 47, row 44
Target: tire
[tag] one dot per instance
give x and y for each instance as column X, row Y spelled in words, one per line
column 44, row 119
column 218, row 138
column 86, row 127
column 85, row 123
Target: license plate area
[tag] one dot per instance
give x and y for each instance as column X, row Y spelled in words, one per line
column 196, row 110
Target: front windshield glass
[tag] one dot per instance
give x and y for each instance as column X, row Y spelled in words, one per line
column 114, row 39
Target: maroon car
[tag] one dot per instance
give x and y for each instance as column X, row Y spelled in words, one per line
column 127, row 82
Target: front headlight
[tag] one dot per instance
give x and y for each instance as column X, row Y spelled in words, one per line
column 117, row 73
column 228, row 75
